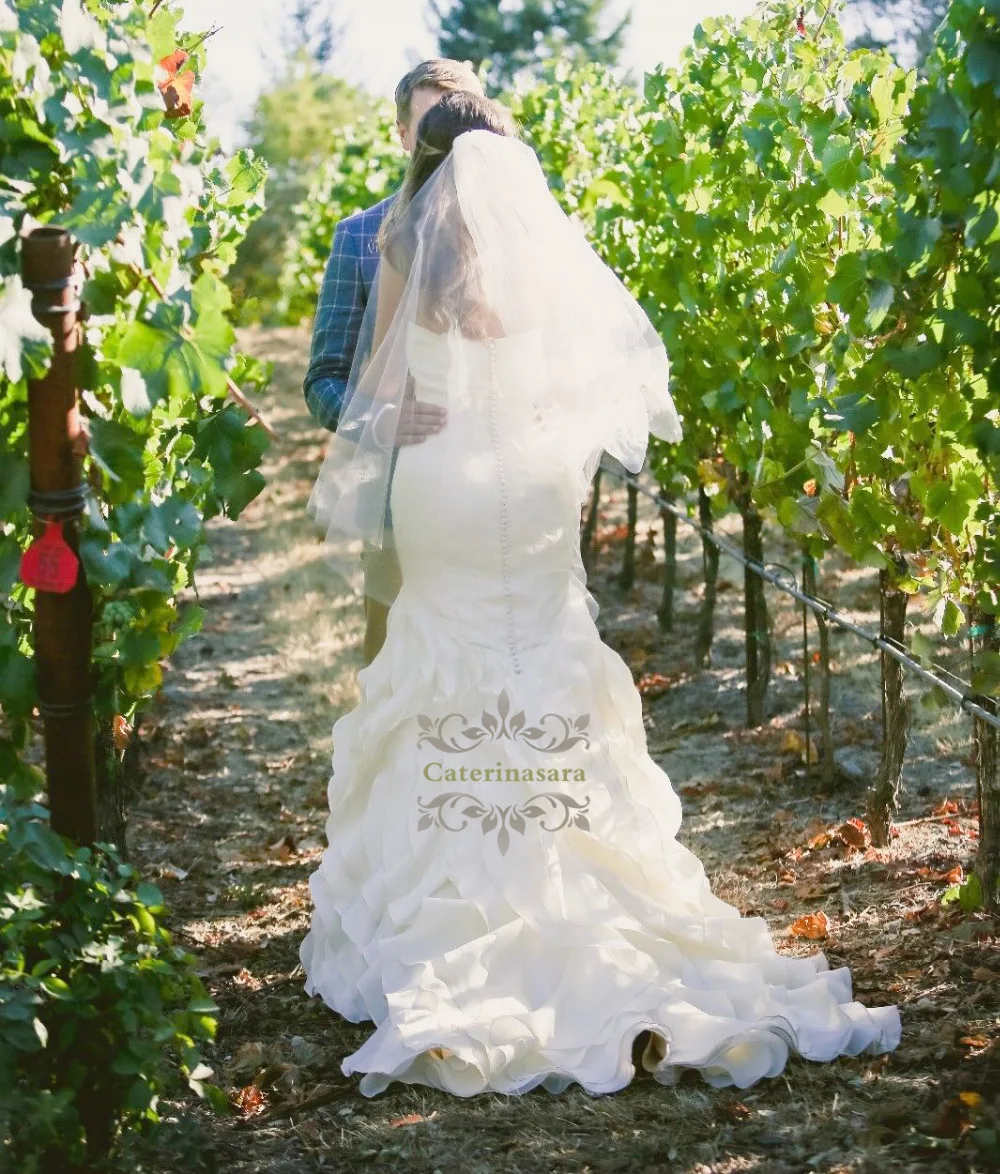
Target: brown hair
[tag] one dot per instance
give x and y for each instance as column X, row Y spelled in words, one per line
column 438, row 73
column 454, row 290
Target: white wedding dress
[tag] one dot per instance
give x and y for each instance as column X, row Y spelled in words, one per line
column 503, row 928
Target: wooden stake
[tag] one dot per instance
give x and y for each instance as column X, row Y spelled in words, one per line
column 62, row 622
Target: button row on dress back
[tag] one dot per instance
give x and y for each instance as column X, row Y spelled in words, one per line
column 504, row 549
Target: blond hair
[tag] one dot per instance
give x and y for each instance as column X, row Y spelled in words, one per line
column 439, row 73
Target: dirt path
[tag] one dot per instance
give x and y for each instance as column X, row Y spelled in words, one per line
column 230, row 824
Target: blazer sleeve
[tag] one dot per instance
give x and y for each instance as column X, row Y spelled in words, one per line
column 336, row 329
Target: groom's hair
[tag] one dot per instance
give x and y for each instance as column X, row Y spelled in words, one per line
column 438, row 73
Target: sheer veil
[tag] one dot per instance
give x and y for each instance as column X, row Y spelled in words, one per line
column 483, row 251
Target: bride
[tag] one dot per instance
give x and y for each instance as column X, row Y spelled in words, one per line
column 503, row 893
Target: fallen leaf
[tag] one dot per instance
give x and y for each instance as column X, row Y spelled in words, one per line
column 952, row 1120
column 653, row 684
column 793, row 743
column 282, row 849
column 173, row 872
column 249, row 1057
column 974, row 1041
column 855, row 834
column 952, row 876
column 945, row 807
column 411, row 1119
column 780, row 903
column 244, row 978
column 610, row 534
column 813, row 926
column 249, row 1101
column 984, row 974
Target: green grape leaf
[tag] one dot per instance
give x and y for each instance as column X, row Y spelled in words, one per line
column 19, row 329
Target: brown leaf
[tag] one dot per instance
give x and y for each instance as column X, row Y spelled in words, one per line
column 121, row 732
column 792, row 742
column 984, row 974
column 249, row 1057
column 953, row 876
column 953, row 1119
column 813, row 926
column 819, row 841
column 653, row 684
column 282, row 849
column 167, row 67
column 855, row 834
column 411, row 1119
column 176, row 88
column 249, row 1101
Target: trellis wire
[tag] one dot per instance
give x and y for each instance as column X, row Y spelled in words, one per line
column 962, row 697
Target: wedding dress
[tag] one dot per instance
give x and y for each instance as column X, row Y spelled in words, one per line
column 503, row 892
column 504, row 932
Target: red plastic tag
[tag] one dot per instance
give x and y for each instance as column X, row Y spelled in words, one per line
column 49, row 564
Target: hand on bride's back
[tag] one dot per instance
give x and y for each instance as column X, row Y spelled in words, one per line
column 418, row 420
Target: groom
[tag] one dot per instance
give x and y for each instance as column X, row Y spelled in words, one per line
column 347, row 286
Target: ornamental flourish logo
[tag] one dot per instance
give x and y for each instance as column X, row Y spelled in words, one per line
column 540, row 807
column 494, row 726
column 454, row 811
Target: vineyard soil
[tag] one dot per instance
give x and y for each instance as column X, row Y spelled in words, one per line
column 229, row 823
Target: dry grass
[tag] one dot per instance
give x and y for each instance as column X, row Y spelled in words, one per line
column 238, row 756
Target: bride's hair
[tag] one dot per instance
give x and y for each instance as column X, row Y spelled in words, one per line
column 451, row 292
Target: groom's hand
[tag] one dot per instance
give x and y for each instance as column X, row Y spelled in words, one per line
column 417, row 420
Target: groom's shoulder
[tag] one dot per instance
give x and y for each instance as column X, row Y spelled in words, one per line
column 366, row 222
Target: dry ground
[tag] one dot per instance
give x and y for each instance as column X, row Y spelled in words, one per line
column 230, row 819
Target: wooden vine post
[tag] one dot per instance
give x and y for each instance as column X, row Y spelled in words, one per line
column 590, row 522
column 665, row 612
column 710, row 570
column 626, row 576
column 985, row 635
column 62, row 619
column 823, row 713
column 883, row 797
column 758, row 639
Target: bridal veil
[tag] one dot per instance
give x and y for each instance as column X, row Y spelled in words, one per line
column 482, row 252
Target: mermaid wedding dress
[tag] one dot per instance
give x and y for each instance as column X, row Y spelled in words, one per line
column 503, row 893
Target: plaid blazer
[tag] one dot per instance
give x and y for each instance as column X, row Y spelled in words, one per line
column 343, row 296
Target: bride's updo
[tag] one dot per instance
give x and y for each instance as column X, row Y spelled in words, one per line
column 450, row 293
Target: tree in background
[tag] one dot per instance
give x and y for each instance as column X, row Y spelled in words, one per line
column 313, row 31
column 910, row 25
column 293, row 126
column 516, row 37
